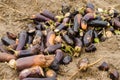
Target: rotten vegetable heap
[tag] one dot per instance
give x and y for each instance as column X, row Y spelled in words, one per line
column 49, row 41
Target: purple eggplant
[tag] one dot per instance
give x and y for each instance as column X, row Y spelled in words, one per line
column 77, row 22
column 67, row 59
column 58, row 57
column 11, row 35
column 104, row 66
column 22, row 40
column 70, row 31
column 90, row 48
column 89, row 16
column 52, row 48
column 114, row 74
column 48, row 14
column 7, row 41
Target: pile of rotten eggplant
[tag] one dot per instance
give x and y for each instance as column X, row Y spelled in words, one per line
column 50, row 40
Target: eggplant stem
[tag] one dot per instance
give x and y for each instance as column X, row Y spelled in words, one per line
column 84, row 67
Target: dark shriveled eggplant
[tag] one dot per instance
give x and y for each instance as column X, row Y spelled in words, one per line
column 22, row 40
column 77, row 22
column 52, row 48
column 58, row 57
column 52, row 78
column 114, row 74
column 36, row 70
column 27, row 62
column 88, row 38
column 90, row 48
column 7, row 41
column 104, row 66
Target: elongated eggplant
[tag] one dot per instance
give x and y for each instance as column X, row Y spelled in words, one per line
column 22, row 40
column 50, row 73
column 67, row 39
column 39, row 17
column 6, row 57
column 77, row 22
column 48, row 14
column 52, row 48
column 28, row 52
column 11, row 35
column 27, row 62
column 50, row 38
column 52, row 78
column 36, row 70
column 7, row 41
column 88, row 38
column 90, row 48
column 58, row 57
column 98, row 23
column 38, row 37
column 29, row 39
column 67, row 59
column 78, row 46
column 62, row 25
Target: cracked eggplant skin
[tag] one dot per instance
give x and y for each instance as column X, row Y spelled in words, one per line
column 52, row 78
column 22, row 40
column 88, row 38
column 77, row 21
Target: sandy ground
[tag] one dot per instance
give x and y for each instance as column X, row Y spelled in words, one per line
column 13, row 10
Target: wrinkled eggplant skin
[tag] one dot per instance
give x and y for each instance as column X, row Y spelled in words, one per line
column 22, row 40
column 52, row 78
column 98, row 23
column 88, row 38
column 7, row 41
column 67, row 59
column 52, row 48
column 91, row 48
column 67, row 39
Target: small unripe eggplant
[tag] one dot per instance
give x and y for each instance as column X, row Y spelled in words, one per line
column 58, row 57
column 38, row 37
column 50, row 38
column 11, row 35
column 114, row 74
column 77, row 22
column 83, row 63
column 104, row 66
column 22, row 40
column 98, row 23
column 52, row 48
column 67, row 59
column 27, row 62
column 36, row 70
column 50, row 73
column 6, row 57
column 52, row 78
column 88, row 38
column 90, row 48
column 48, row 14
column 7, row 41
column 39, row 17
